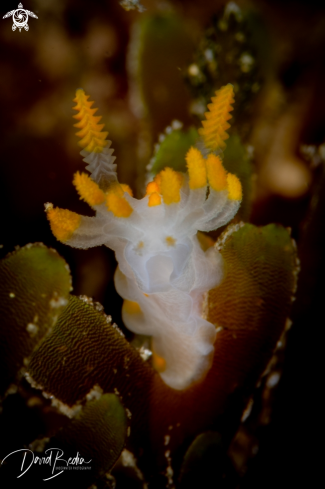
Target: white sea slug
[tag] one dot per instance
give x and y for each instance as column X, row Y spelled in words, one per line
column 162, row 273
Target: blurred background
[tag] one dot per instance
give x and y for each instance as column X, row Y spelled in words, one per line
column 141, row 84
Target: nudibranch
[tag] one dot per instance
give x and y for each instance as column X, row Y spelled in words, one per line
column 163, row 273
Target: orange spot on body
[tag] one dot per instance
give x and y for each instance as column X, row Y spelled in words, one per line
column 158, row 363
column 170, row 241
column 131, row 307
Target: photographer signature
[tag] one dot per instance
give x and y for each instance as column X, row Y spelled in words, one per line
column 55, row 461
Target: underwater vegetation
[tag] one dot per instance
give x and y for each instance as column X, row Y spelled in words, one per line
column 175, row 390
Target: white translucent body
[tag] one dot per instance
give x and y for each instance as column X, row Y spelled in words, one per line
column 163, row 268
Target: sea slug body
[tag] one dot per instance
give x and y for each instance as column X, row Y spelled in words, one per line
column 162, row 273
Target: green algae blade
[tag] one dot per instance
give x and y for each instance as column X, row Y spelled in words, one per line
column 34, row 288
column 204, row 462
column 98, row 433
column 172, row 150
column 85, row 349
column 160, row 52
column 253, row 302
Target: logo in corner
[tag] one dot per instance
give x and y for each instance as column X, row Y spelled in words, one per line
column 20, row 18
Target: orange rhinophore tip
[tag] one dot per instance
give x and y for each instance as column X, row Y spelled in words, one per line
column 170, row 183
column 152, row 187
column 126, row 188
column 154, row 196
column 88, row 190
column 154, row 199
column 235, row 191
column 116, row 202
column 217, row 175
column 63, row 222
column 93, row 138
column 215, row 126
column 196, row 169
